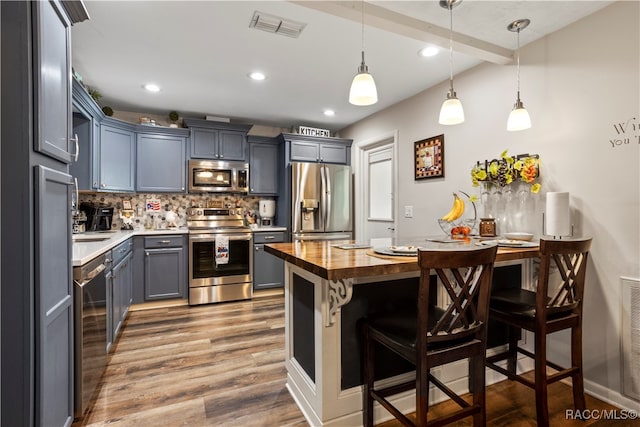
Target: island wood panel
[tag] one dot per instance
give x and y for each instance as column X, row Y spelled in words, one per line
column 329, row 262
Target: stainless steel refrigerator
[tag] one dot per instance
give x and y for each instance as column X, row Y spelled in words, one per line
column 321, row 202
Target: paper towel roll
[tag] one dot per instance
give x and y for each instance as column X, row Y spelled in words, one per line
column 558, row 216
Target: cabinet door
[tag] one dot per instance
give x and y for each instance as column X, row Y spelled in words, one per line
column 126, row 291
column 333, row 154
column 110, row 308
column 204, row 143
column 117, row 155
column 118, row 273
column 263, row 163
column 305, row 151
column 53, row 298
column 232, row 145
column 161, row 164
column 53, row 83
column 163, row 273
column 268, row 270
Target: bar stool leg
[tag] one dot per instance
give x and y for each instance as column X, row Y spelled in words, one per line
column 512, row 360
column 576, row 361
column 479, row 396
column 542, row 407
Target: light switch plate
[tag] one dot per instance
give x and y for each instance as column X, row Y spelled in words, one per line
column 408, row 211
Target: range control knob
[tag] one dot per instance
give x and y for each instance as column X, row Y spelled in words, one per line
column 199, row 212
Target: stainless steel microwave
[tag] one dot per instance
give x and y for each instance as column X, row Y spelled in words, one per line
column 213, row 176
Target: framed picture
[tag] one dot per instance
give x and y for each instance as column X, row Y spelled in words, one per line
column 126, row 205
column 429, row 157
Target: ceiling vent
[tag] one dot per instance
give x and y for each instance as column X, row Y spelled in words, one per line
column 275, row 24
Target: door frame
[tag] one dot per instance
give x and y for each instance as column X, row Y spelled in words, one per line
column 360, row 186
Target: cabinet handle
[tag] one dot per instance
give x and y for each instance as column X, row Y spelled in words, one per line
column 75, row 156
column 221, row 156
column 321, row 159
column 165, row 242
column 257, row 248
column 146, row 253
column 182, row 189
column 269, row 237
column 103, row 185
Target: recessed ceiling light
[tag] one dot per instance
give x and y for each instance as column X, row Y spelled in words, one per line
column 152, row 87
column 428, row 51
column 257, row 75
column 329, row 113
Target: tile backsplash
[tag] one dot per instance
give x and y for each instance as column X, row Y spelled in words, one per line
column 177, row 203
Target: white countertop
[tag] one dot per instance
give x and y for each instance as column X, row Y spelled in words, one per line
column 84, row 252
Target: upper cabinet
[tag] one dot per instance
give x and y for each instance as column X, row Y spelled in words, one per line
column 161, row 160
column 264, row 164
column 116, row 156
column 217, row 140
column 302, row 148
column 52, row 86
column 86, row 120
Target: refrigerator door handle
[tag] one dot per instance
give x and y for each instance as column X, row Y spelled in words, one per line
column 327, row 195
column 323, row 199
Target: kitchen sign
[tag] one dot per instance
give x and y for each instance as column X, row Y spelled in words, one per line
column 304, row 130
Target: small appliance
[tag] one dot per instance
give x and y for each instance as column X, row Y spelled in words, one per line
column 213, row 176
column 267, row 212
column 99, row 218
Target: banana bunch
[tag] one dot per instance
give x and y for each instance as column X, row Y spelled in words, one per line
column 457, row 209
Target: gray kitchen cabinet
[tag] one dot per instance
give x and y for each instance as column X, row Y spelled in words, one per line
column 217, row 140
column 265, row 161
column 37, row 337
column 302, row 148
column 268, row 270
column 161, row 161
column 86, row 128
column 119, row 278
column 164, row 267
column 52, row 89
column 116, row 156
column 54, row 305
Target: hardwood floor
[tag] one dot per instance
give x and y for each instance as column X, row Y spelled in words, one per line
column 223, row 365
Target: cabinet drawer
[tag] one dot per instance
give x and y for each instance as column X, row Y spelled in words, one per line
column 120, row 251
column 273, row 237
column 163, row 242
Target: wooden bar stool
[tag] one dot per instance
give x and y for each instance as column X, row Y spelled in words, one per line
column 431, row 336
column 549, row 309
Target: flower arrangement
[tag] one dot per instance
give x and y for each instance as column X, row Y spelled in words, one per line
column 507, row 170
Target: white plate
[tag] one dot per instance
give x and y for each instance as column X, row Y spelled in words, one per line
column 404, row 249
column 518, row 236
column 509, row 243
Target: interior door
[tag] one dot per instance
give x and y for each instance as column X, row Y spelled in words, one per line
column 379, row 176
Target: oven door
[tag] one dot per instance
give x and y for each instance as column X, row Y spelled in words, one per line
column 203, row 269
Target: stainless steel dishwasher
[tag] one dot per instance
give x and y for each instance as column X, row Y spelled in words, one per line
column 90, row 316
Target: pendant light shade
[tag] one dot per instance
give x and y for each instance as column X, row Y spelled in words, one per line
column 451, row 112
column 363, row 89
column 519, row 117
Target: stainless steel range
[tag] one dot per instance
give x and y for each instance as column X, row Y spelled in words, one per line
column 220, row 256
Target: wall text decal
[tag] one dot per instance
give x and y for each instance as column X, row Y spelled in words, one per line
column 627, row 133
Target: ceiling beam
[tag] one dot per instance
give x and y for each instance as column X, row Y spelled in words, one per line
column 403, row 25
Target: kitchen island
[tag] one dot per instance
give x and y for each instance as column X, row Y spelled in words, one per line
column 327, row 289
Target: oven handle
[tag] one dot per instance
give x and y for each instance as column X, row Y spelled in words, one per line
column 212, row 237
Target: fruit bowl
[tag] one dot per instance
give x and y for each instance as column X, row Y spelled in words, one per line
column 453, row 224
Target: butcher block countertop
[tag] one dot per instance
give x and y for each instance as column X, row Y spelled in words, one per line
column 325, row 259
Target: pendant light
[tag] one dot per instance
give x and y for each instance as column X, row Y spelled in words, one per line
column 363, row 89
column 519, row 117
column 451, row 112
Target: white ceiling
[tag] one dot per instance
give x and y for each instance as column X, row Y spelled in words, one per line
column 200, row 53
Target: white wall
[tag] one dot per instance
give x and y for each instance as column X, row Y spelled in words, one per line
column 577, row 84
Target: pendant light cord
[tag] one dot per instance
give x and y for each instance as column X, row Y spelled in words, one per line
column 518, row 63
column 362, row 21
column 451, row 46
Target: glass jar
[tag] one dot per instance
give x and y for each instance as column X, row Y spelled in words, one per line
column 487, row 227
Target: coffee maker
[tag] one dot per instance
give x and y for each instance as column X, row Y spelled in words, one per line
column 267, row 212
column 99, row 218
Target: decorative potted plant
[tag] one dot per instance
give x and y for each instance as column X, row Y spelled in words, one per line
column 174, row 116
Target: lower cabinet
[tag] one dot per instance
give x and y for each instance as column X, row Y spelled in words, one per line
column 164, row 267
column 119, row 289
column 268, row 270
